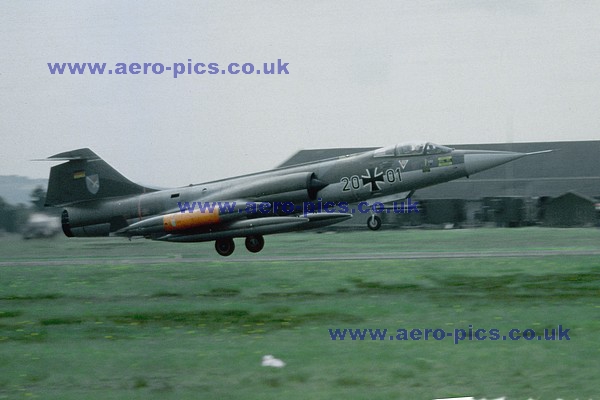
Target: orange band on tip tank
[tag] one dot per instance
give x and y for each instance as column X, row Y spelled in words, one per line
column 184, row 221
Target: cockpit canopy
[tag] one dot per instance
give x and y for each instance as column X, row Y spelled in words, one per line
column 411, row 149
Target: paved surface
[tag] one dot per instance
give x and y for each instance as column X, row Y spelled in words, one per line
column 244, row 257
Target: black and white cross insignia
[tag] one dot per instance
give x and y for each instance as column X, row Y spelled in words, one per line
column 373, row 177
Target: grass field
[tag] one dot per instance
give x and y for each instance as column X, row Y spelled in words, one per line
column 80, row 320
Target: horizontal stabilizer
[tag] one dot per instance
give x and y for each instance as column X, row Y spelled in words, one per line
column 79, row 154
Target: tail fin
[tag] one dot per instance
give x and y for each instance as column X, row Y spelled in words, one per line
column 86, row 177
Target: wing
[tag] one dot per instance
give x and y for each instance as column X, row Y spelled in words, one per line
column 226, row 219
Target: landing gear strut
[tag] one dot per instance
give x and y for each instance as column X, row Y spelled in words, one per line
column 374, row 222
column 254, row 244
column 225, row 247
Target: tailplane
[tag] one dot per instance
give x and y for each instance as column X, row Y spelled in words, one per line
column 84, row 177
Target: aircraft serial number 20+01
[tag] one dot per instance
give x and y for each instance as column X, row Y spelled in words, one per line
column 355, row 182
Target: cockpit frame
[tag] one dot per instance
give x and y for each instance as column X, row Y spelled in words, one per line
column 411, row 149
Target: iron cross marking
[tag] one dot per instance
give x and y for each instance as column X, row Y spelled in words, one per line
column 373, row 177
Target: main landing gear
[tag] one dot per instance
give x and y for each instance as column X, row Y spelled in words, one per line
column 226, row 246
column 254, row 244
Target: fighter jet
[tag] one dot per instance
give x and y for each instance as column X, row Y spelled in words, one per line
column 99, row 201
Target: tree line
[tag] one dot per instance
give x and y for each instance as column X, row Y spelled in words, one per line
column 14, row 217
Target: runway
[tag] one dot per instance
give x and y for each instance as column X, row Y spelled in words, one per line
column 249, row 258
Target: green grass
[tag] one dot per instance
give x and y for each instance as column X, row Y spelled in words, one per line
column 198, row 329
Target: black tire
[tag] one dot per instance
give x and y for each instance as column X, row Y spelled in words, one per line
column 225, row 247
column 374, row 222
column 254, row 244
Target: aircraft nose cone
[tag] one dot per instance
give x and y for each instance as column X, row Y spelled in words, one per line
column 482, row 160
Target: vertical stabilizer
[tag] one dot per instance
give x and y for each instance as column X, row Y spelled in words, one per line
column 84, row 177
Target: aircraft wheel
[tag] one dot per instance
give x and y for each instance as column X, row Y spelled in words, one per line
column 374, row 222
column 225, row 247
column 254, row 244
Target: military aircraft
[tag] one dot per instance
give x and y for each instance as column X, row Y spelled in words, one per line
column 99, row 201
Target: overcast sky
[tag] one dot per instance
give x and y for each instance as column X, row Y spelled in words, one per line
column 360, row 74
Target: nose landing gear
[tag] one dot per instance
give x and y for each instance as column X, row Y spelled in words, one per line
column 374, row 222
